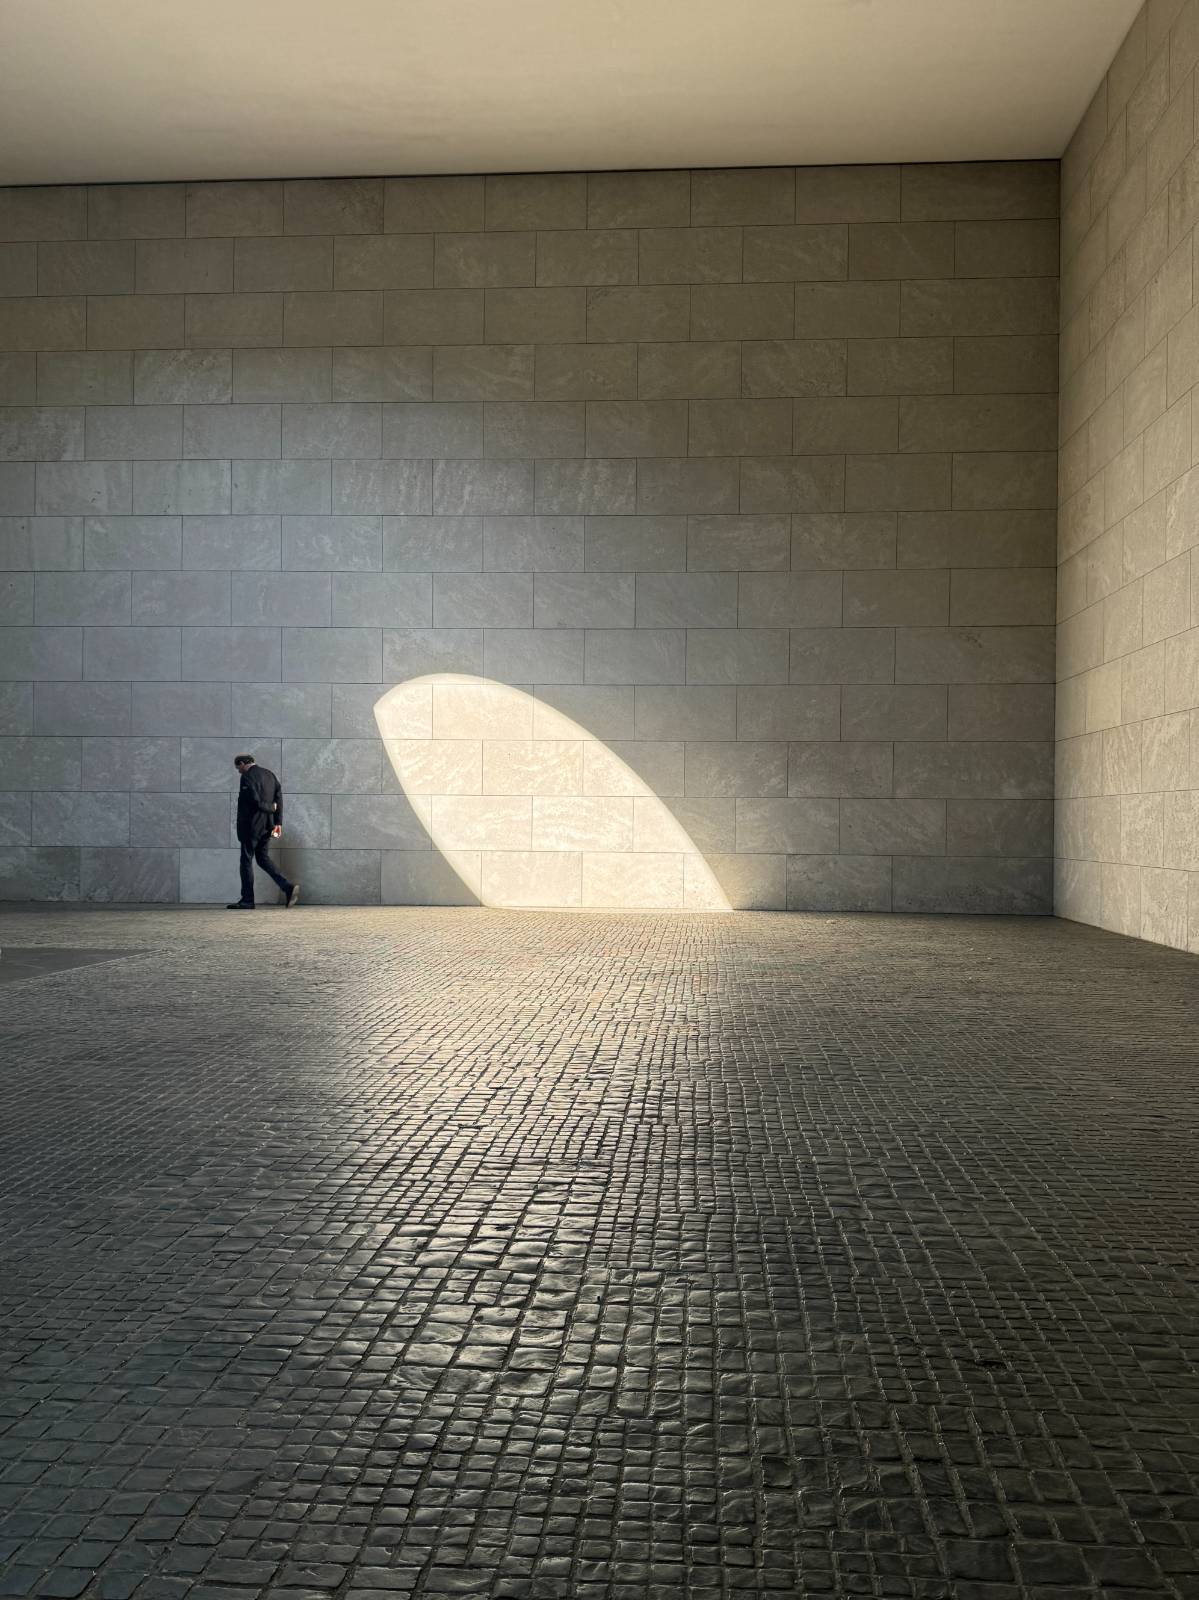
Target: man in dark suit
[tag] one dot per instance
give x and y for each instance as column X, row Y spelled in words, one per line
column 259, row 820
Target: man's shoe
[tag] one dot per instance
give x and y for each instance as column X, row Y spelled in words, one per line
column 293, row 894
column 240, row 905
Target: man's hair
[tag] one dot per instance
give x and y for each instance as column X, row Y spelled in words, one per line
column 243, row 761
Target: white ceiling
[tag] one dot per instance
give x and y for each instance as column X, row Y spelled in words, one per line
column 130, row 90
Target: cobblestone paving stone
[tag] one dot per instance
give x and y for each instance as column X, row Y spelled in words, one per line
column 376, row 1253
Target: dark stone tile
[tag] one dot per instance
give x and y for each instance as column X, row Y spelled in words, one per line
column 454, row 1253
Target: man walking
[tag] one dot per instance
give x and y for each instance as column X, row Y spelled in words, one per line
column 259, row 820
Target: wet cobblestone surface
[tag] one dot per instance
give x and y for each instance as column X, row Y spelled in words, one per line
column 365, row 1253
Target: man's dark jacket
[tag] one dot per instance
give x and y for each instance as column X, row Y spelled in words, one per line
column 259, row 803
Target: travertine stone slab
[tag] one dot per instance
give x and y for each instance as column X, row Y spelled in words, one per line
column 654, row 497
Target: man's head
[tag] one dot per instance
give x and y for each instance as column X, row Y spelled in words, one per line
column 243, row 763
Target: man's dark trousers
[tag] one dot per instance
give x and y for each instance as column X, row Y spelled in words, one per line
column 259, row 849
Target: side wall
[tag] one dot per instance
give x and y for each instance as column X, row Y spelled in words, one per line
column 746, row 479
column 1128, row 662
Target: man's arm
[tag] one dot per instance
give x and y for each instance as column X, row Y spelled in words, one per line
column 278, row 817
column 260, row 787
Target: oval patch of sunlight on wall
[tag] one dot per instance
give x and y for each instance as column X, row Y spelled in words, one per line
column 532, row 810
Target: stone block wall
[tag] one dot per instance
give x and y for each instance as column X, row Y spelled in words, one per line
column 652, row 538
column 1128, row 661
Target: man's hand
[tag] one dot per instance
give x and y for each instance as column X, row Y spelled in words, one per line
column 276, row 831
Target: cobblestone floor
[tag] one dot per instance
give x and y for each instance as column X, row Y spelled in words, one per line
column 363, row 1253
